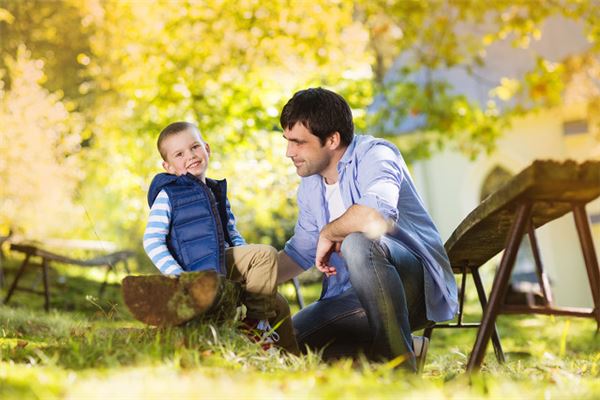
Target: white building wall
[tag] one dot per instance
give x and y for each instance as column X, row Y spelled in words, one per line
column 451, row 185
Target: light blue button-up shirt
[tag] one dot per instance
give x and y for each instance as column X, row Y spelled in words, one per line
column 373, row 173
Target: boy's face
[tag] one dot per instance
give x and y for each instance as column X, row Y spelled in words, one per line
column 186, row 152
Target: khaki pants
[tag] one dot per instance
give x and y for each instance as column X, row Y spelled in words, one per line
column 285, row 329
column 255, row 267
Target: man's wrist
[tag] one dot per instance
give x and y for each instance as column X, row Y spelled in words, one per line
column 326, row 232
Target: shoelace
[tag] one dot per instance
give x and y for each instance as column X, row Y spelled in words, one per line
column 268, row 333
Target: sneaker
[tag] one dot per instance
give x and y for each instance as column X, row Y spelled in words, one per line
column 420, row 347
column 162, row 300
column 260, row 332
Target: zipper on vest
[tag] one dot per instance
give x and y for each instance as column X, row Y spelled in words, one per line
column 219, row 234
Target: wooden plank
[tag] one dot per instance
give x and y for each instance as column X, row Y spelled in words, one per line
column 109, row 259
column 80, row 244
column 552, row 186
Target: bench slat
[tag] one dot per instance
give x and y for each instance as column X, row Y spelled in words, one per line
column 552, row 185
column 108, row 259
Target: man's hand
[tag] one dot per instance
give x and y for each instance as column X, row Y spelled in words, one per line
column 324, row 249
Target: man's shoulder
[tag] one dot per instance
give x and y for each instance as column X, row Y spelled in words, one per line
column 368, row 146
column 310, row 183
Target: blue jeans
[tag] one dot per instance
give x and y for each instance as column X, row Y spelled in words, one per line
column 377, row 315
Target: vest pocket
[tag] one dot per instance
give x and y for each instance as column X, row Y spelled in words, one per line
column 198, row 250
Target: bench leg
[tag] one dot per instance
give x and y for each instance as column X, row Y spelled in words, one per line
column 500, row 285
column 103, row 286
column 461, row 300
column 17, row 277
column 299, row 297
column 46, row 284
column 483, row 301
column 589, row 256
column 539, row 268
column 126, row 266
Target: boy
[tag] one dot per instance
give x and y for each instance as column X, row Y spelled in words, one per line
column 191, row 228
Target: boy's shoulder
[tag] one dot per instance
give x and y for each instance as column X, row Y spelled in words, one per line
column 163, row 180
column 158, row 184
column 217, row 184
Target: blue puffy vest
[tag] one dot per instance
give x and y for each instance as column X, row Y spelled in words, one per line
column 197, row 235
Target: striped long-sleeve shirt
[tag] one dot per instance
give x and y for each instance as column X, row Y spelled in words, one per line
column 157, row 229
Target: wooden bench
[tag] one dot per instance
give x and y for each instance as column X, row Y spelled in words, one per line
column 2, row 240
column 543, row 192
column 109, row 261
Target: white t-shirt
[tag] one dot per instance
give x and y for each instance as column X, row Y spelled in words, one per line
column 333, row 198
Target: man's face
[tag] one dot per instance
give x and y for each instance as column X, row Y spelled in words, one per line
column 186, row 152
column 305, row 150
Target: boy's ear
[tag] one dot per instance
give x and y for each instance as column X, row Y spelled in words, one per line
column 168, row 167
column 207, row 147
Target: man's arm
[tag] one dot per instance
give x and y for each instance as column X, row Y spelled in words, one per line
column 287, row 268
column 379, row 178
column 357, row 218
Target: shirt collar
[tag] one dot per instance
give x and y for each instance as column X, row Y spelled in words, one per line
column 347, row 157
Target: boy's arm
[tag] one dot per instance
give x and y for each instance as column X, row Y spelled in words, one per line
column 155, row 236
column 299, row 252
column 235, row 236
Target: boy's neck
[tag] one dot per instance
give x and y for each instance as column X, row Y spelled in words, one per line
column 201, row 178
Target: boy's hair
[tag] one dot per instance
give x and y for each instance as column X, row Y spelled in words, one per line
column 322, row 112
column 173, row 129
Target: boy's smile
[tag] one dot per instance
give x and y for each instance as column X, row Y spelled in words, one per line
column 186, row 152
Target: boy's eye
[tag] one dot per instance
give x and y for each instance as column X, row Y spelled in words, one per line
column 195, row 146
column 178, row 154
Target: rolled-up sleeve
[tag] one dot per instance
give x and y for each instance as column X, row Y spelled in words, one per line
column 302, row 247
column 236, row 237
column 379, row 179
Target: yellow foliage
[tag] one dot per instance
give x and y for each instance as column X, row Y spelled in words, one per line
column 38, row 141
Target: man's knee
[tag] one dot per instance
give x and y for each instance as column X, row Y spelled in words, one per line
column 355, row 249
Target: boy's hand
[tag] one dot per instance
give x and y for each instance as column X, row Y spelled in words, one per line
column 324, row 249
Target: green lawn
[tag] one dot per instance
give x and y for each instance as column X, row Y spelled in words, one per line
column 91, row 348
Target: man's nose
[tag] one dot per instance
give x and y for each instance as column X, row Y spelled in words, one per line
column 289, row 153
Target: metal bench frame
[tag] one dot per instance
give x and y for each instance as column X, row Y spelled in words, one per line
column 541, row 193
column 109, row 261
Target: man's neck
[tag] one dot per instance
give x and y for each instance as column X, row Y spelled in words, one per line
column 330, row 174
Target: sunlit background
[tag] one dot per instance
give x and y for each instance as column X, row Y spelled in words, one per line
column 86, row 86
column 471, row 91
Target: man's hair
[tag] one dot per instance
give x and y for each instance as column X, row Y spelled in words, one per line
column 322, row 112
column 174, row 129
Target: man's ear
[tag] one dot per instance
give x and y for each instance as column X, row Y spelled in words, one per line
column 334, row 140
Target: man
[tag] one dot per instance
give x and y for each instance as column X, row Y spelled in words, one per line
column 362, row 223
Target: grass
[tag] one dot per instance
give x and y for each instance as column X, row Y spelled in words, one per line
column 91, row 348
